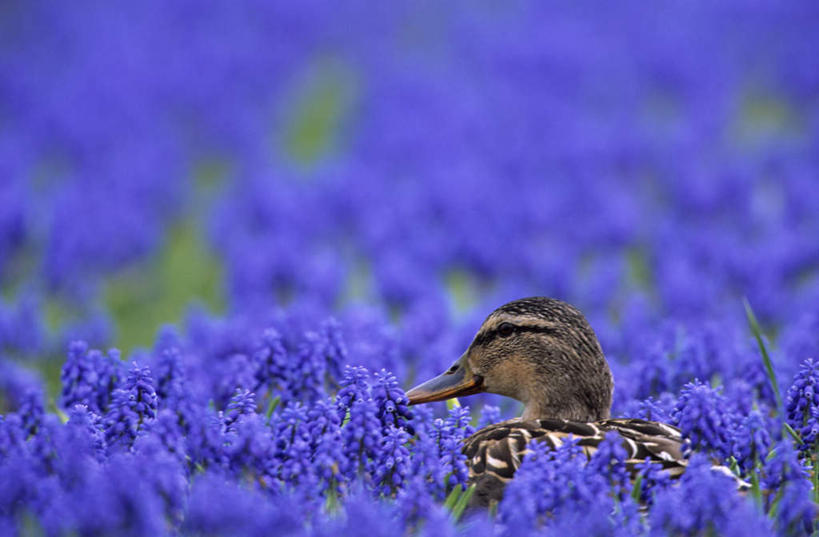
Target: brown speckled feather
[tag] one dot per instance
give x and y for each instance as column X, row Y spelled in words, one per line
column 495, row 452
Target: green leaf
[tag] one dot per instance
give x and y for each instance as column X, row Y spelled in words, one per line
column 766, row 358
column 769, row 370
column 62, row 415
column 637, row 489
column 793, row 433
column 271, row 406
column 756, row 491
column 463, row 501
column 331, row 503
column 452, row 498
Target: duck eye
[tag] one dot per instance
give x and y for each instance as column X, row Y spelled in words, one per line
column 506, row 329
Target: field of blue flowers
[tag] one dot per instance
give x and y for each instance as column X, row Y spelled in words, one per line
column 232, row 233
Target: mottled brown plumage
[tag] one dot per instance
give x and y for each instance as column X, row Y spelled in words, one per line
column 544, row 353
column 495, row 452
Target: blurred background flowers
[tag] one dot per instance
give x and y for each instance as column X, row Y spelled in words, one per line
column 257, row 194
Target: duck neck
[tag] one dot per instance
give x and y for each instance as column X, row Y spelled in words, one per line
column 567, row 410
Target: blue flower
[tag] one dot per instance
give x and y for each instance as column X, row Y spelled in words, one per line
column 89, row 377
column 332, row 347
column 653, row 479
column 659, row 409
column 490, row 414
column 782, row 466
column 133, row 405
column 328, row 455
column 796, row 513
column 170, row 378
column 392, row 404
column 751, row 440
column 704, row 498
column 551, row 483
column 12, row 436
column 292, row 448
column 204, row 437
column 31, row 410
column 86, row 432
column 249, row 447
column 16, row 385
column 361, row 436
column 243, row 403
column 610, row 462
column 392, row 463
column 705, row 419
column 449, row 435
column 272, row 360
column 165, row 433
column 802, row 405
column 354, row 387
column 220, row 507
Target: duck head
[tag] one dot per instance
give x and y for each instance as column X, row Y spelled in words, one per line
column 538, row 350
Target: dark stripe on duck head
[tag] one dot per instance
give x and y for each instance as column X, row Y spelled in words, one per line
column 507, row 329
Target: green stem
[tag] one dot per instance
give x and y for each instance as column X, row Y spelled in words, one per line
column 766, row 358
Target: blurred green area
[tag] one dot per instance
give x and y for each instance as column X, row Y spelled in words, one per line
column 318, row 108
column 159, row 290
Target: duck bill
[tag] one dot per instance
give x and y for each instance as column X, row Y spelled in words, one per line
column 459, row 382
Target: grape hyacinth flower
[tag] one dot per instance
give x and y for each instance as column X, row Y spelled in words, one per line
column 31, row 409
column 751, row 441
column 243, row 403
column 652, row 480
column 332, row 347
column 16, row 382
column 133, row 405
column 489, row 414
column 609, row 461
column 704, row 417
column 329, row 460
column 164, row 432
column 782, row 466
column 272, row 362
column 220, row 507
column 391, row 467
column 86, row 427
column 354, row 387
column 795, row 513
column 392, row 403
column 204, row 437
column 89, row 377
column 704, row 498
column 291, row 445
column 550, row 483
column 170, row 377
column 361, row 435
column 249, row 447
column 657, row 409
column 802, row 406
column 438, row 449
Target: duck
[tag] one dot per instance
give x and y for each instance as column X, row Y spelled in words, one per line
column 544, row 353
